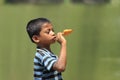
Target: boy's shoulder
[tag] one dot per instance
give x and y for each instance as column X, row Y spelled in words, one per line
column 41, row 51
column 44, row 52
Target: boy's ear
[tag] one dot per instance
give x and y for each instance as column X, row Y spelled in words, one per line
column 35, row 38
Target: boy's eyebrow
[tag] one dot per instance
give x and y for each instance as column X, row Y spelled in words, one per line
column 51, row 29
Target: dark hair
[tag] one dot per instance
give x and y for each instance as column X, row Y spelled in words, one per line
column 34, row 26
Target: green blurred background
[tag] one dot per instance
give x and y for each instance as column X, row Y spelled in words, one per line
column 93, row 47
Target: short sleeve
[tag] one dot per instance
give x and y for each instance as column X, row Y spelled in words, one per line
column 46, row 59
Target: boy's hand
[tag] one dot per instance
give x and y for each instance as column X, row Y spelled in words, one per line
column 60, row 38
column 61, row 62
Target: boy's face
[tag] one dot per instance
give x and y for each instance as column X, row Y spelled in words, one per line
column 46, row 35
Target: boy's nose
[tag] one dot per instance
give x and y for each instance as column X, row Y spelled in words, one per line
column 52, row 33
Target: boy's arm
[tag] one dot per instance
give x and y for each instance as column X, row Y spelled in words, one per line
column 60, row 64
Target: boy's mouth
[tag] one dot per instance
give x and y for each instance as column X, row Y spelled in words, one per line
column 55, row 38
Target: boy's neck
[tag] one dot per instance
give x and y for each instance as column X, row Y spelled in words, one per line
column 46, row 47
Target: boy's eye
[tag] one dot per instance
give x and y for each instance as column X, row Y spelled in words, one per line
column 48, row 31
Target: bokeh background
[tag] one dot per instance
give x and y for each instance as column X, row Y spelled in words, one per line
column 93, row 47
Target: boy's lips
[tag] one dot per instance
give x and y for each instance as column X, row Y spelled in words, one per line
column 54, row 38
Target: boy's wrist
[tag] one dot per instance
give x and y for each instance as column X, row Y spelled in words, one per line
column 63, row 43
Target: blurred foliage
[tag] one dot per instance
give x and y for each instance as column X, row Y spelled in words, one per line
column 34, row 1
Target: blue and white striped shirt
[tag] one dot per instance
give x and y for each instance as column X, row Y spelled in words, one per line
column 43, row 63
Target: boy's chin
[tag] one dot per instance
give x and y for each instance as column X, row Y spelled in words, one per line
column 54, row 41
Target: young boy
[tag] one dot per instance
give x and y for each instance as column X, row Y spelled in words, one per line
column 47, row 66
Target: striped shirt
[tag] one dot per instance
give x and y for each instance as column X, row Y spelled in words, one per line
column 43, row 63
